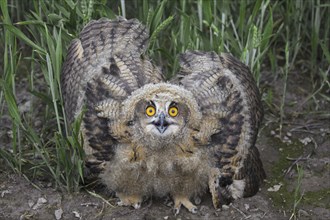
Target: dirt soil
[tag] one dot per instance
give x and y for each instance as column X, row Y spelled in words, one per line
column 304, row 141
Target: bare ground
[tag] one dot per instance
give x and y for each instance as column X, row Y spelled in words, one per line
column 304, row 140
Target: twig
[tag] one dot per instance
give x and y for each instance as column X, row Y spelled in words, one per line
column 241, row 212
column 296, row 160
column 264, row 215
column 100, row 197
column 100, row 213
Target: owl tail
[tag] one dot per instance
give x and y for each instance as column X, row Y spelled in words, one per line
column 225, row 189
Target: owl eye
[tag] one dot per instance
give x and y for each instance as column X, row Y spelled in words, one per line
column 150, row 111
column 173, row 111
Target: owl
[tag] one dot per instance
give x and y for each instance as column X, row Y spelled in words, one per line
column 147, row 137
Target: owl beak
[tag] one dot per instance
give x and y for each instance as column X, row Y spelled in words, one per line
column 161, row 124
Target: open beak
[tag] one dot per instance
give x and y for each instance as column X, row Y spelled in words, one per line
column 161, row 124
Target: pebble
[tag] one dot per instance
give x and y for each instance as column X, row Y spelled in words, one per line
column 3, row 193
column 76, row 214
column 30, row 203
column 302, row 213
column 58, row 213
column 39, row 203
column 306, row 140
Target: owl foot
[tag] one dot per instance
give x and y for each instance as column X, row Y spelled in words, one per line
column 214, row 187
column 183, row 200
column 133, row 200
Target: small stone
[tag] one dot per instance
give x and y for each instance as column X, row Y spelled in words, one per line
column 275, row 188
column 272, row 132
column 225, row 207
column 166, row 217
column 3, row 193
column 30, row 203
column 39, row 203
column 302, row 213
column 76, row 214
column 306, row 140
column 289, row 134
column 58, row 213
column 10, row 134
column 247, row 207
column 42, row 200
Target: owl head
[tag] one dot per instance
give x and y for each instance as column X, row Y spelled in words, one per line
column 161, row 114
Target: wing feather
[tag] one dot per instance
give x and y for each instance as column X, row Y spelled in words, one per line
column 232, row 112
column 104, row 65
column 105, row 45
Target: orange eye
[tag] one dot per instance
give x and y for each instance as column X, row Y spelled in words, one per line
column 150, row 111
column 173, row 111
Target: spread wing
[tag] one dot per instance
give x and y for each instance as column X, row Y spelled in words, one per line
column 230, row 103
column 102, row 68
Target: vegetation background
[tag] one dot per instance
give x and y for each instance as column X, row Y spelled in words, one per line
column 274, row 38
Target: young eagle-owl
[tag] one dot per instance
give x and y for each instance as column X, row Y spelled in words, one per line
column 148, row 137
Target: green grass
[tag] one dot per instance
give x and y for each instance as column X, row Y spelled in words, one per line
column 298, row 195
column 272, row 35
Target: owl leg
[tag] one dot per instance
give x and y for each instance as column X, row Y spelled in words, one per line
column 131, row 200
column 183, row 200
column 214, row 187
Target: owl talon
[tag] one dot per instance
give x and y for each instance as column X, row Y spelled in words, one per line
column 177, row 210
column 193, row 210
column 133, row 200
column 137, row 205
column 182, row 200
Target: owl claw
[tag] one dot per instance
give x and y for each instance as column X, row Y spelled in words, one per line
column 137, row 205
column 134, row 201
column 193, row 210
column 120, row 203
column 176, row 211
column 182, row 200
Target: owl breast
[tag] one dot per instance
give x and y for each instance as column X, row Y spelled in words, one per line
column 159, row 172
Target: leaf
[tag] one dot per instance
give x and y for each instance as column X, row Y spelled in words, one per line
column 18, row 33
column 275, row 188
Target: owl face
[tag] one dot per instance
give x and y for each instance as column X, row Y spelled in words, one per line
column 161, row 116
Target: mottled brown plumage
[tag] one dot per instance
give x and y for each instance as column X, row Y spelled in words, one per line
column 147, row 137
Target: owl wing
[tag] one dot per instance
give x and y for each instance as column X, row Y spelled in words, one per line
column 104, row 65
column 232, row 112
